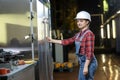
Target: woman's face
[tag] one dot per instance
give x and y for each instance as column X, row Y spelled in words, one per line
column 82, row 23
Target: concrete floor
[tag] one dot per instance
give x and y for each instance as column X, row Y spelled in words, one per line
column 108, row 69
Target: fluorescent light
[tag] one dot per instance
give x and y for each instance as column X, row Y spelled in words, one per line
column 102, row 33
column 114, row 29
column 118, row 11
column 108, row 31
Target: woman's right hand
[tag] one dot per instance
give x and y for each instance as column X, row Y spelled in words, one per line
column 53, row 40
column 48, row 39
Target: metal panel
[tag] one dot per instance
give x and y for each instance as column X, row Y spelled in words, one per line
column 15, row 24
column 45, row 57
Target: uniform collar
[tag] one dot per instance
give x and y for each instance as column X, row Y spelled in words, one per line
column 81, row 32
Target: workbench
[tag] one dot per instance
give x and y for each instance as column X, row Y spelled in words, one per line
column 21, row 72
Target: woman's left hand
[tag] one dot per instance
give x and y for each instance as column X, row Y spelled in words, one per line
column 85, row 70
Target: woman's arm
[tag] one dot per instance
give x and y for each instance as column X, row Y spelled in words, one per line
column 85, row 70
column 54, row 40
column 89, row 51
column 62, row 42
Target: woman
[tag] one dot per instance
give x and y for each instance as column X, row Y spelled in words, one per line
column 84, row 42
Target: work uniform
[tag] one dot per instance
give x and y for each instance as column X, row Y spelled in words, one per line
column 84, row 42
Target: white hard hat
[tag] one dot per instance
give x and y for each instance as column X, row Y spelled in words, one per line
column 83, row 15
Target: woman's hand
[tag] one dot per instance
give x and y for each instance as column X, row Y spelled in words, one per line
column 48, row 39
column 53, row 40
column 85, row 70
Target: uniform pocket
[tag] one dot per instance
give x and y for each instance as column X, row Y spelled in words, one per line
column 83, row 58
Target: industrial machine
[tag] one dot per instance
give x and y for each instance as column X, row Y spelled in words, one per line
column 7, row 57
column 12, row 67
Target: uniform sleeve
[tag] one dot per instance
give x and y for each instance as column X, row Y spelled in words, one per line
column 90, row 45
column 68, row 41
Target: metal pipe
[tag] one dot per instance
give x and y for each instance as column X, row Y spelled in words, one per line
column 31, row 26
